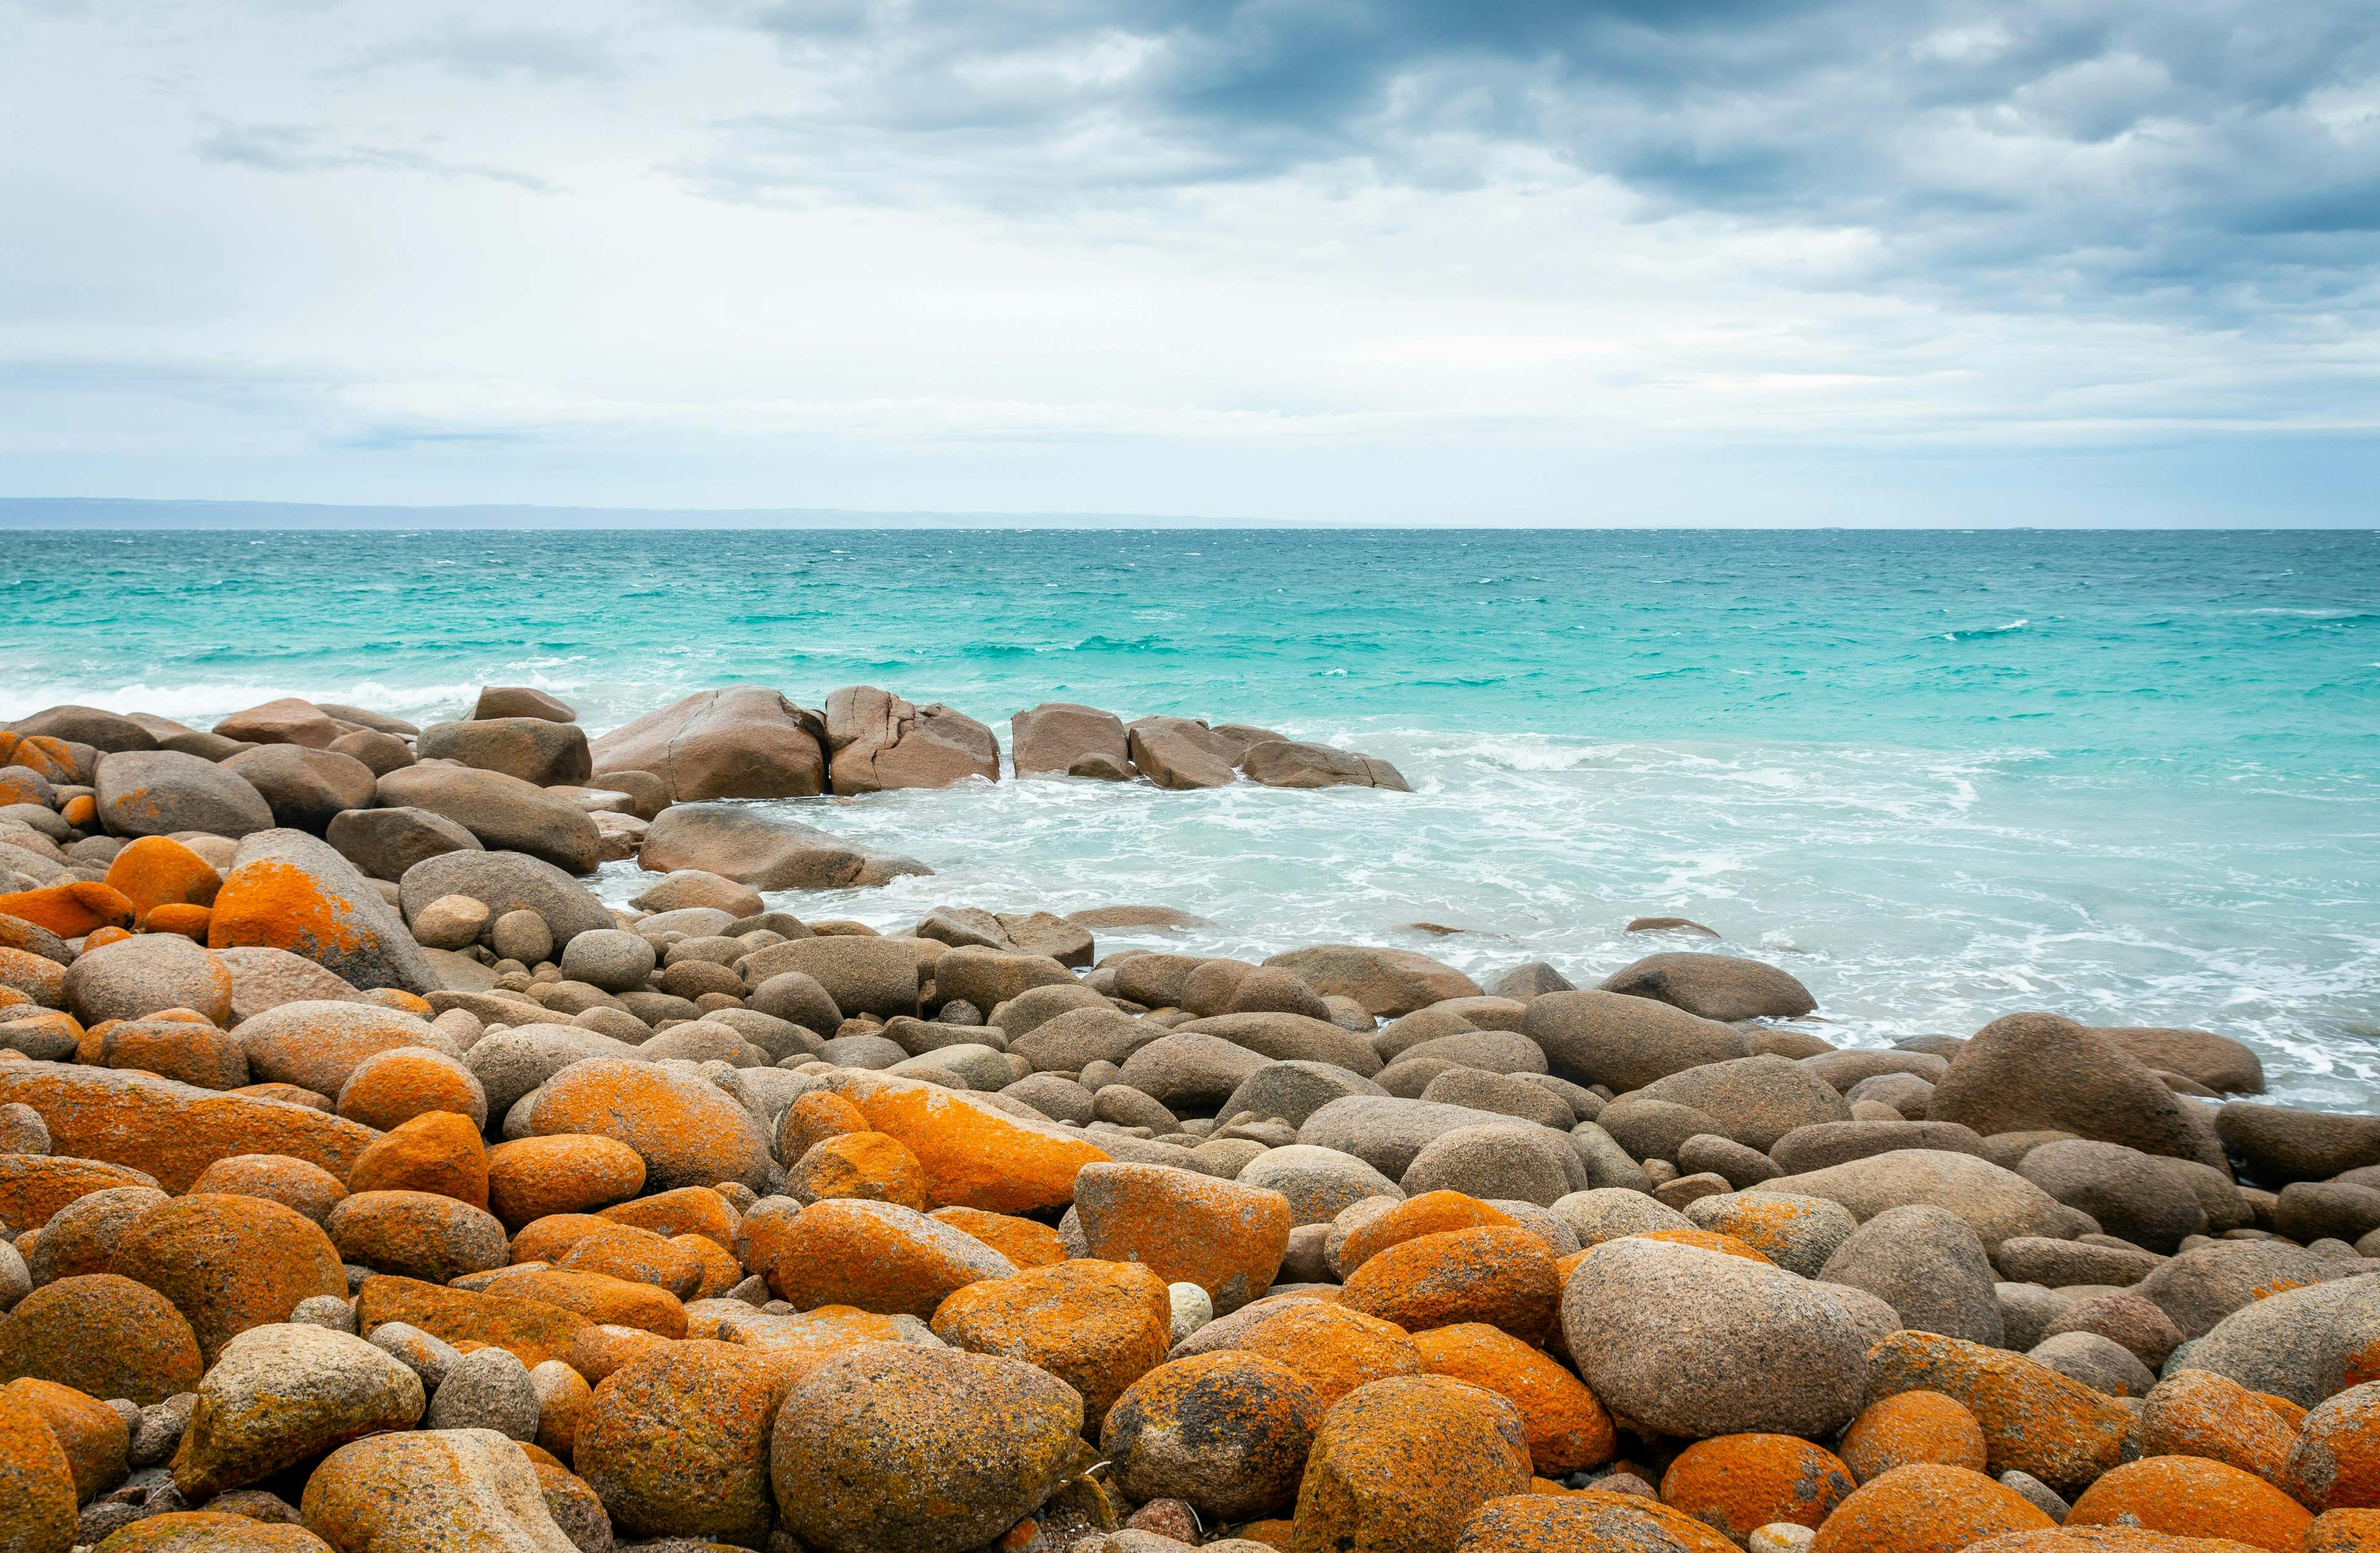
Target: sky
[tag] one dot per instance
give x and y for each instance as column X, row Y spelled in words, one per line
column 1628, row 262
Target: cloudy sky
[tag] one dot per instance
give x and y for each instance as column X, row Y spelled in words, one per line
column 1413, row 261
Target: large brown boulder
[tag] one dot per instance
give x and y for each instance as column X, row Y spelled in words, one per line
column 2040, row 1072
column 765, row 851
column 1720, row 987
column 307, row 788
column 505, row 812
column 505, row 881
column 862, row 974
column 535, row 749
column 1386, row 981
column 287, row 721
column 287, row 889
column 172, row 1132
column 1625, row 1042
column 1288, row 763
column 877, row 742
column 1059, row 738
column 1998, row 1204
column 100, row 729
column 2224, row 1066
column 384, row 843
column 160, row 792
column 518, row 700
column 1181, row 753
column 746, row 741
column 2282, row 1145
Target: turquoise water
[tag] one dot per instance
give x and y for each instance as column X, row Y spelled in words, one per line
column 1940, row 777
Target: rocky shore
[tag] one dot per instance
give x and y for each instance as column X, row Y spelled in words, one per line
column 368, row 1183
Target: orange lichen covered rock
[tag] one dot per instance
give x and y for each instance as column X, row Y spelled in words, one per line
column 877, row 1256
column 93, row 1433
column 1590, row 1519
column 1402, row 1463
column 1504, row 1278
column 42, row 754
column 186, row 922
column 431, row 1491
column 1226, row 1238
column 285, row 889
column 390, row 1089
column 1709, row 1240
column 2189, row 1495
column 287, row 1094
column 102, row 937
column 533, row 1330
column 639, row 1255
column 230, row 1263
column 103, row 1335
column 1567, row 1430
column 212, row 1531
column 1741, row 1483
column 562, row 1398
column 1927, row 1509
column 1910, row 1427
column 721, row 1272
column 550, row 1238
column 688, row 1131
column 172, row 1131
column 294, row 1183
column 530, row 1178
column 438, row 1152
column 812, row 1119
column 2105, row 1539
column 2034, row 1420
column 198, row 1055
column 2335, row 1463
column 676, row 1443
column 1335, row 1349
column 2198, row 1412
column 2344, row 1531
column 874, row 1166
column 153, row 871
column 974, row 1155
column 1226, row 1432
column 399, row 999
column 33, row 1186
column 1431, row 1213
column 31, row 979
column 70, row 910
column 1097, row 1326
column 1022, row 1241
column 37, row 1485
column 689, row 1210
column 417, row 1234
column 609, row 1300
column 599, row 1351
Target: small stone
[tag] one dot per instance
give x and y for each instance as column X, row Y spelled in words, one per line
column 450, row 922
column 486, row 1388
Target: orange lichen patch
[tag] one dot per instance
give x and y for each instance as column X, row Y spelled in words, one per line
column 676, row 1443
column 70, row 909
column 1709, row 1240
column 2033, row 1419
column 814, row 1118
column 599, row 1351
column 1911, row 1427
column 2290, row 1413
column 878, row 1257
column 102, row 937
column 153, row 871
column 22, row 784
column 609, row 1300
column 400, row 1000
column 719, row 1271
column 229, row 1263
column 1741, row 1483
column 33, row 1186
column 873, row 1166
column 103, row 1335
column 276, row 904
column 189, row 922
column 437, row 1151
column 689, row 1210
column 1022, row 1241
column 2335, row 1463
column 1926, row 1508
column 80, row 811
column 294, row 1183
column 1226, row 1238
column 1405, row 1462
column 212, row 1531
column 1272, row 1533
column 2105, row 1539
column 639, row 1255
column 37, row 1485
column 38, row 753
column 2344, row 1531
column 2189, row 1495
column 93, row 1433
column 1566, row 1427
column 973, row 1155
column 1568, row 1522
column 417, row 1234
column 1504, row 1278
column 532, row 1330
column 1336, row 1349
column 198, row 1055
column 132, row 1119
column 2198, row 1412
column 1431, row 1213
column 1097, row 1326
column 568, row 1174
column 38, row 977
column 562, row 1398
column 390, row 1089
column 1229, row 1431
column 550, row 1238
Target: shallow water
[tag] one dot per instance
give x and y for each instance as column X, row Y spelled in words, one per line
column 1939, row 777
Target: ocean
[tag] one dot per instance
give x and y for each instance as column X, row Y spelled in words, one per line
column 2129, row 777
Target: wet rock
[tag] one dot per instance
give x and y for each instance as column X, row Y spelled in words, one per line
column 1719, row 987
column 877, row 742
column 740, row 742
column 1288, row 763
column 1059, row 738
column 1180, row 753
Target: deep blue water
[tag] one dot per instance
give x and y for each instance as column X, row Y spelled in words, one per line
column 1941, row 776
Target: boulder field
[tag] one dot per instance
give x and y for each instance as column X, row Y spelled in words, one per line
column 367, row 1184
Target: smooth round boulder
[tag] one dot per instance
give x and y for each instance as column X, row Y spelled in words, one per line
column 431, row 1491
column 1404, row 1463
column 105, row 1336
column 636, row 1443
column 282, row 1394
column 1097, row 1326
column 229, row 1263
column 611, row 958
column 140, row 975
column 1227, row 1432
column 418, row 1234
column 164, row 792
